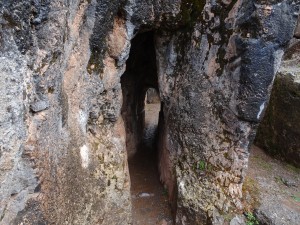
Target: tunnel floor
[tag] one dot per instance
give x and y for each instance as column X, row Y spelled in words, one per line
column 149, row 198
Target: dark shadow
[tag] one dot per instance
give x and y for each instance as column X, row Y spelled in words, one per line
column 139, row 86
column 140, row 75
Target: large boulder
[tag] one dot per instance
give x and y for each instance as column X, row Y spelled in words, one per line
column 279, row 132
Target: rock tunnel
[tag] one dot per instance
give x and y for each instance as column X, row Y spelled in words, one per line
column 140, row 75
column 143, row 118
column 74, row 75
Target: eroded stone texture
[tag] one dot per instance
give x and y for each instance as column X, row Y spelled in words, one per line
column 63, row 154
column 64, row 159
column 297, row 31
column 279, row 133
column 215, row 79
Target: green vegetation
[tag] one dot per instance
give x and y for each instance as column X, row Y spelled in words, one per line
column 296, row 198
column 201, row 165
column 251, row 219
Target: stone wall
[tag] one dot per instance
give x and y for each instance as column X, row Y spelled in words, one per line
column 63, row 155
column 63, row 152
column 214, row 88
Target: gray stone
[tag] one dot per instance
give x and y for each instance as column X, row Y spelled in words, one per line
column 297, row 31
column 67, row 164
column 238, row 220
column 39, row 105
column 279, row 131
column 272, row 212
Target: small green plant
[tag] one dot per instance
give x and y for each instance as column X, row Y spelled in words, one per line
column 201, row 165
column 251, row 219
column 296, row 198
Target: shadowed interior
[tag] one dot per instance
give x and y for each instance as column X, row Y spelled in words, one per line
column 140, row 112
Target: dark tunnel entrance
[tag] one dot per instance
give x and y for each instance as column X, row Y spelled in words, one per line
column 140, row 112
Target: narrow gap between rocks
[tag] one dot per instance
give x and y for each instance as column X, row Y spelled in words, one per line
column 140, row 112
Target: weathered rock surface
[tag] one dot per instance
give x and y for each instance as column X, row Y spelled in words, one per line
column 63, row 154
column 62, row 159
column 279, row 132
column 297, row 31
column 214, row 91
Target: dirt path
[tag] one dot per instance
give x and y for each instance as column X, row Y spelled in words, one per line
column 149, row 198
column 272, row 189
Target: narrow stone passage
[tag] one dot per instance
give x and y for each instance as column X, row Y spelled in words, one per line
column 149, row 198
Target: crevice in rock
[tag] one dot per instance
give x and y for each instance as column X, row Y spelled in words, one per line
column 140, row 75
column 140, row 112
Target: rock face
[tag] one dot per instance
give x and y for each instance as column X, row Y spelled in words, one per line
column 279, row 131
column 63, row 152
